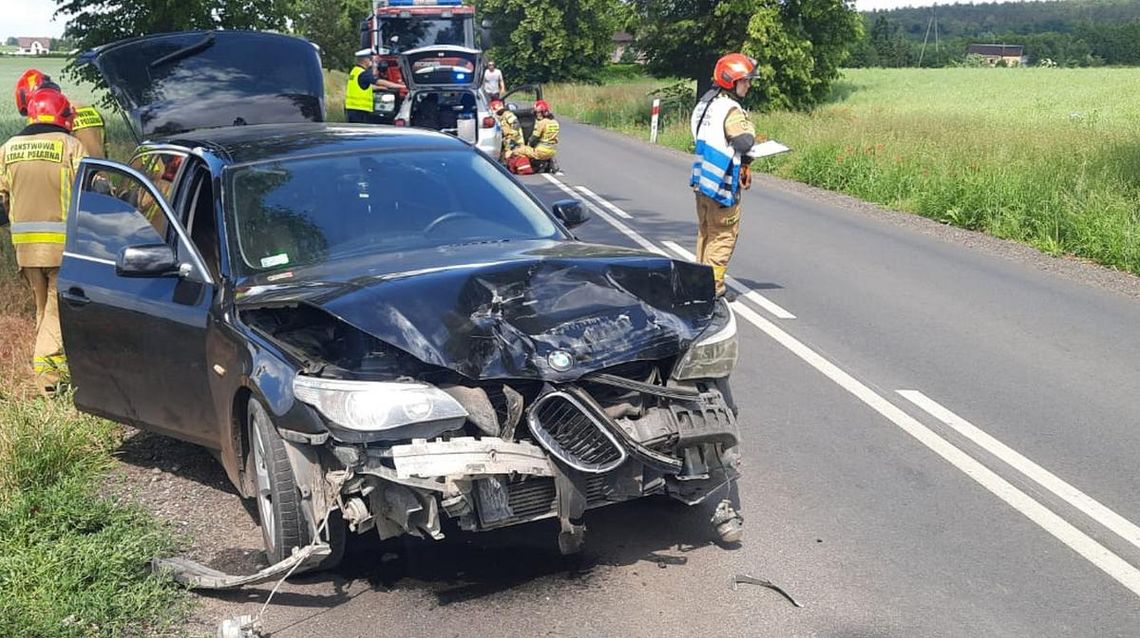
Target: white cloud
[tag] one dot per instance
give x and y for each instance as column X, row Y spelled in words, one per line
column 30, row 18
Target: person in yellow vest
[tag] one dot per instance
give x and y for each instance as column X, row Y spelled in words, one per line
column 512, row 130
column 543, row 143
column 88, row 126
column 37, row 169
column 362, row 81
column 723, row 135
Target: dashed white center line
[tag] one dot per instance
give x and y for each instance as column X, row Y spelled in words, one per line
column 1100, row 556
column 1091, row 507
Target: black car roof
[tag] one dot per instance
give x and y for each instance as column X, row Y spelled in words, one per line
column 241, row 144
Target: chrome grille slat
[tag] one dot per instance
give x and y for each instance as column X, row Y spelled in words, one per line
column 572, row 434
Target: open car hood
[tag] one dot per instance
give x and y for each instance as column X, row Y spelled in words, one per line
column 171, row 83
column 502, row 311
column 441, row 67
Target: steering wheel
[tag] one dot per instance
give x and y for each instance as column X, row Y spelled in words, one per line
column 447, row 217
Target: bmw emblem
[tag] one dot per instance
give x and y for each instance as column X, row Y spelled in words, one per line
column 560, row 360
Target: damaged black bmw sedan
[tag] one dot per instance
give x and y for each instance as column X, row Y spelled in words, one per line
column 376, row 328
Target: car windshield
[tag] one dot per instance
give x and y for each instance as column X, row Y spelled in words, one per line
column 310, row 210
column 413, row 33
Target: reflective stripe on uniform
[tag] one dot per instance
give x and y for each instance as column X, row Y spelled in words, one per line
column 37, row 233
column 38, row 238
column 19, row 228
column 64, row 191
column 50, row 363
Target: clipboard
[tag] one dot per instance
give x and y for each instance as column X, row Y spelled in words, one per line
column 767, row 149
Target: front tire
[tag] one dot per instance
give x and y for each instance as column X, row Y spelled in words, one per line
column 283, row 525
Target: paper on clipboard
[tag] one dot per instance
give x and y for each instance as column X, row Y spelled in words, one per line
column 765, row 149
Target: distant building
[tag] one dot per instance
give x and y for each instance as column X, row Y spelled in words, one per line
column 33, row 46
column 622, row 42
column 1011, row 54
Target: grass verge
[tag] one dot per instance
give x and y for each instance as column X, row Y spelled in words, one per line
column 1047, row 157
column 73, row 564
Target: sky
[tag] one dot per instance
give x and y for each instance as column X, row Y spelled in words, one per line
column 33, row 17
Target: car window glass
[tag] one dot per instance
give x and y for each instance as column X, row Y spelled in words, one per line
column 414, row 32
column 203, row 225
column 311, row 210
column 111, row 217
column 161, row 169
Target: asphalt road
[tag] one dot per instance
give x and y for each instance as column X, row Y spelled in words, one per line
column 1001, row 509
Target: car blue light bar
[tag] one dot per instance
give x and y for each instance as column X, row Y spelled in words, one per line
column 424, row 3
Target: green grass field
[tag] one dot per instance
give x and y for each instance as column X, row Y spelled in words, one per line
column 1049, row 157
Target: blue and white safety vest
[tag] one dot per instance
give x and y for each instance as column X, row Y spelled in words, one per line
column 716, row 171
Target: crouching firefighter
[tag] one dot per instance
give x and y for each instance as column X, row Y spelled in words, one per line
column 544, row 139
column 512, row 130
column 37, row 168
column 723, row 135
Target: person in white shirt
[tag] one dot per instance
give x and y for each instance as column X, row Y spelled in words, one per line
column 493, row 85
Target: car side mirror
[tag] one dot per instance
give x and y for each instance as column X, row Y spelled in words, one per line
column 511, row 106
column 571, row 212
column 150, row 260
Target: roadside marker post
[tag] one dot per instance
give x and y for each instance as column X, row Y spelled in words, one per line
column 653, row 121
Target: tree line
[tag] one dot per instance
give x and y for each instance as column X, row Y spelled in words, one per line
column 800, row 44
column 1061, row 32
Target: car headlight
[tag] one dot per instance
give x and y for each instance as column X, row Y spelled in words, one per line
column 714, row 353
column 375, row 406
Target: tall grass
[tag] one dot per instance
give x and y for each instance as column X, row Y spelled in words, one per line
column 1048, row 157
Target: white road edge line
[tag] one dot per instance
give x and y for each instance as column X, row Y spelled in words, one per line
column 625, row 230
column 1091, row 507
column 1097, row 554
column 748, row 293
column 604, row 202
column 1100, row 556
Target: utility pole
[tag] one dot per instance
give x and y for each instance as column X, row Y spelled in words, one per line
column 933, row 22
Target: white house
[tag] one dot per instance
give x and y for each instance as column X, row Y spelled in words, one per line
column 33, row 46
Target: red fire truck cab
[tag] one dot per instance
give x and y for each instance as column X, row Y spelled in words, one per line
column 402, row 25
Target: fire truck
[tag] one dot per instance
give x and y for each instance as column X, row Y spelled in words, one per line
column 396, row 26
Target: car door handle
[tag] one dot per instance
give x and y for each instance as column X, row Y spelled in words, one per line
column 74, row 297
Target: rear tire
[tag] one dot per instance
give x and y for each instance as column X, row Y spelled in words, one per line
column 283, row 525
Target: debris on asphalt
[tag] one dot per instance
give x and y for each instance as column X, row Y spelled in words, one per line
column 240, row 627
column 752, row 580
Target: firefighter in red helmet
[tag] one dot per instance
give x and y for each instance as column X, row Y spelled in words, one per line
column 87, row 126
column 512, row 129
column 37, row 168
column 723, row 135
column 543, row 143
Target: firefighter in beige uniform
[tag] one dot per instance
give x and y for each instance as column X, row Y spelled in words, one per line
column 87, row 127
column 723, row 135
column 37, row 168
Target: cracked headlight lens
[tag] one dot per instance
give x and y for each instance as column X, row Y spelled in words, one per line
column 373, row 406
column 714, row 354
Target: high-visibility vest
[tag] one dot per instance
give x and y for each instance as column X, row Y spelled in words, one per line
column 356, row 98
column 716, row 171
